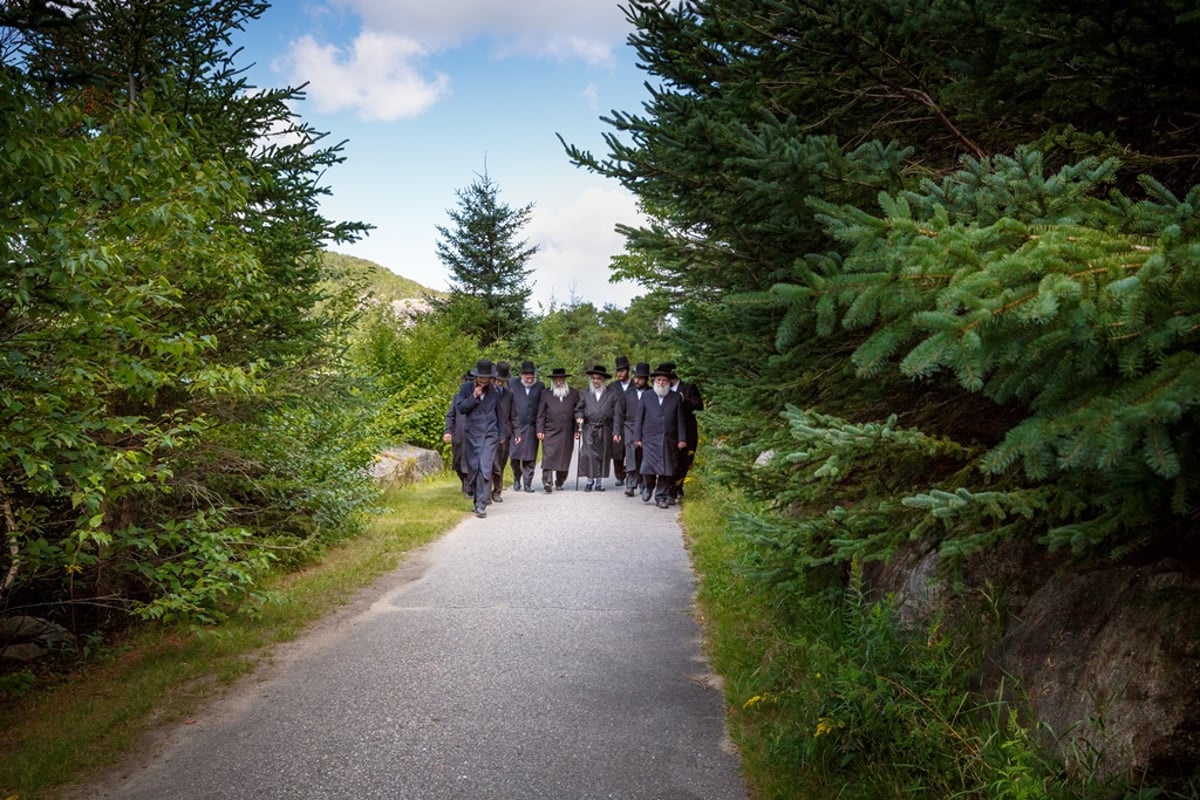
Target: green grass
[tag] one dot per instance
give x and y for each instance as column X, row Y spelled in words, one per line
column 58, row 735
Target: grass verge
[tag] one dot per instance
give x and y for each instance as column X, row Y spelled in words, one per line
column 58, row 736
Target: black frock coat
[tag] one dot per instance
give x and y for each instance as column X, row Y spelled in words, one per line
column 525, row 411
column 556, row 420
column 660, row 428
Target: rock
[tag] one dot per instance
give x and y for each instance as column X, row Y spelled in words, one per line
column 1109, row 660
column 764, row 458
column 24, row 638
column 404, row 464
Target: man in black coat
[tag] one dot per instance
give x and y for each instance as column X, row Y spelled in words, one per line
column 526, row 395
column 660, row 431
column 480, row 408
column 594, row 418
column 500, row 384
column 689, row 395
column 556, row 428
column 620, row 384
column 623, row 421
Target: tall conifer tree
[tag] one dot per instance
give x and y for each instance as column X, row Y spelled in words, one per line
column 487, row 262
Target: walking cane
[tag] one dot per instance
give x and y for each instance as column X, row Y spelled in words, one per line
column 578, row 430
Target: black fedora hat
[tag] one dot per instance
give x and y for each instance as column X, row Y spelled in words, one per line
column 502, row 370
column 666, row 369
column 559, row 372
column 598, row 370
column 527, row 367
column 483, row 369
column 641, row 370
column 622, row 362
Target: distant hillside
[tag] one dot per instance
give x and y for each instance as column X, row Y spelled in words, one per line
column 385, row 285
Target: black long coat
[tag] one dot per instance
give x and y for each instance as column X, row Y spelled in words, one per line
column 481, row 428
column 454, row 427
column 556, row 420
column 626, row 418
column 689, row 393
column 525, row 411
column 595, row 445
column 660, row 428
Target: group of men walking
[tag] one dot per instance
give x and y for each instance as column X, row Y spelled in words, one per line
column 641, row 424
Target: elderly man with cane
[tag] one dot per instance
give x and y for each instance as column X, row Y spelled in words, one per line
column 594, row 417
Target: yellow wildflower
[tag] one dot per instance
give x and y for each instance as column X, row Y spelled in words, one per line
column 824, row 726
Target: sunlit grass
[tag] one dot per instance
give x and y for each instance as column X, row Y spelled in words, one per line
column 59, row 735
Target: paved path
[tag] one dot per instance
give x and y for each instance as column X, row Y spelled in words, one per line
column 548, row 651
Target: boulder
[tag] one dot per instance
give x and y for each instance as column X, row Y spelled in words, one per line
column 404, row 464
column 25, row 638
column 1109, row 661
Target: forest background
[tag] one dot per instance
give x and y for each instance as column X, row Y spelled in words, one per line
column 934, row 267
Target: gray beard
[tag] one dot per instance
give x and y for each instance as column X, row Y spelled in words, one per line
column 661, row 391
column 560, row 391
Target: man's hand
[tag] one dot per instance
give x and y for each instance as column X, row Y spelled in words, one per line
column 541, row 436
column 478, row 391
column 682, row 445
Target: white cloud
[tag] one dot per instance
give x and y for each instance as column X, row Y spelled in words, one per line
column 587, row 30
column 576, row 242
column 379, row 77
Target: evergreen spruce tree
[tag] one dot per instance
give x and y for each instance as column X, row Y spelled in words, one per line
column 489, row 285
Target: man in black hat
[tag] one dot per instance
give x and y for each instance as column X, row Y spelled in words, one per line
column 480, row 408
column 594, row 418
column 527, row 395
column 619, row 385
column 691, row 400
column 452, row 434
column 661, row 433
column 624, row 418
column 500, row 386
column 556, row 429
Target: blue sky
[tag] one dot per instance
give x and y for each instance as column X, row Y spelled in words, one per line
column 427, row 92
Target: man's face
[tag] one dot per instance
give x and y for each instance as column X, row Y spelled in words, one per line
column 559, row 382
column 623, row 375
column 498, row 382
column 661, row 380
column 482, row 381
column 527, row 378
column 597, row 380
column 640, row 382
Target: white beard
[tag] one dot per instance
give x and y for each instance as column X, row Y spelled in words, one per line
column 661, row 391
column 560, row 391
column 597, row 392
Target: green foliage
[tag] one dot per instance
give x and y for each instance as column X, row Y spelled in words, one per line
column 165, row 319
column 415, row 366
column 487, row 262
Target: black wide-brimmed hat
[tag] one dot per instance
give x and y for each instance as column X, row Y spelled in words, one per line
column 641, row 370
column 527, row 367
column 559, row 372
column 666, row 369
column 622, row 362
column 502, row 370
column 598, row 370
column 483, row 369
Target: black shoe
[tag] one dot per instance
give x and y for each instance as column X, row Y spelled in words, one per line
column 630, row 491
column 529, row 489
column 496, row 498
column 661, row 502
column 481, row 511
column 645, row 497
column 599, row 486
column 587, row 487
column 547, row 487
column 671, row 500
column 558, row 486
column 516, row 486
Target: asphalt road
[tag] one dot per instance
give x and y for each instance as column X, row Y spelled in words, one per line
column 547, row 651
